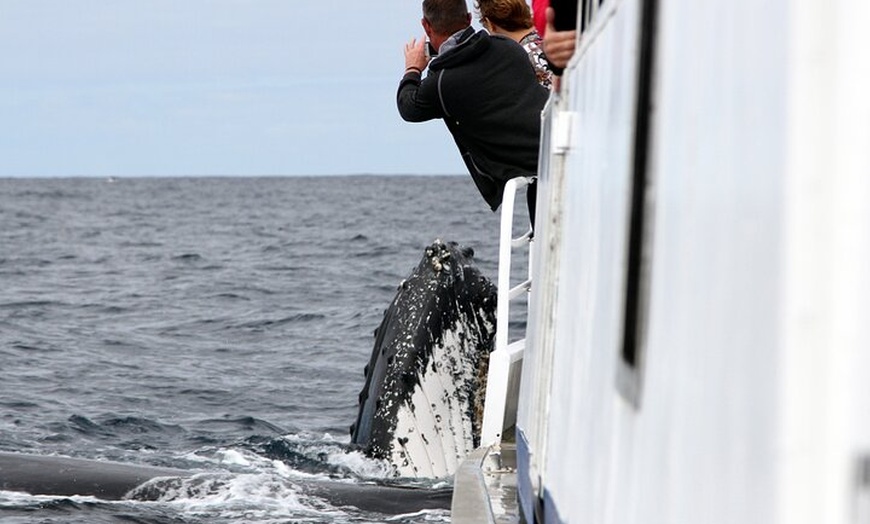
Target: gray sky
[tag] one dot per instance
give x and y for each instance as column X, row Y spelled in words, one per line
column 213, row 87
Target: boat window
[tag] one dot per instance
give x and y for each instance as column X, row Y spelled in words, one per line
column 591, row 11
column 588, row 10
column 640, row 231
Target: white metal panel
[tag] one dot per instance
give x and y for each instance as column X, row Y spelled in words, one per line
column 826, row 363
column 718, row 166
column 533, row 402
column 752, row 407
column 702, row 447
column 597, row 171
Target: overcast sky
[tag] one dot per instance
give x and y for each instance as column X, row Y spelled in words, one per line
column 213, row 87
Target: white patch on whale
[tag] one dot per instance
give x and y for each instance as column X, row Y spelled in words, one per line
column 434, row 430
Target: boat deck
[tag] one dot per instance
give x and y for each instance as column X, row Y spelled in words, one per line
column 485, row 487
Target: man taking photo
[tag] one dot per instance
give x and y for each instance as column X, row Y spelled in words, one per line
column 484, row 88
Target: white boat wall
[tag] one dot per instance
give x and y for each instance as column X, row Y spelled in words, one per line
column 698, row 348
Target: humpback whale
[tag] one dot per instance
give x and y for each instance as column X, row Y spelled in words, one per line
column 50, row 475
column 66, row 476
column 418, row 407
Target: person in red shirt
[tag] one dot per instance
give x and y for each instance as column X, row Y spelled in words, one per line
column 539, row 12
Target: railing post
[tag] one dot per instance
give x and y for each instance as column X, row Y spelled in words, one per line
column 505, row 355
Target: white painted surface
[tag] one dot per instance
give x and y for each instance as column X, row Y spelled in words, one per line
column 753, row 403
column 505, row 362
column 827, row 366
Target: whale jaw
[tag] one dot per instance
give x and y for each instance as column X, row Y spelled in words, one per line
column 419, row 403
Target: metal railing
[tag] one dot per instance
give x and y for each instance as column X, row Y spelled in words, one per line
column 505, row 362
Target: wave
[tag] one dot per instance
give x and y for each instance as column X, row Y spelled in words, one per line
column 120, row 426
column 256, row 325
column 248, row 423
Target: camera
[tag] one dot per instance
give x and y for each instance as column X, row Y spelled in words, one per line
column 431, row 52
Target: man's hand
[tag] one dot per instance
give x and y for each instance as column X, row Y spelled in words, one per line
column 415, row 55
column 558, row 45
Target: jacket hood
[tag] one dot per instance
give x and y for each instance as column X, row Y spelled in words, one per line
column 471, row 45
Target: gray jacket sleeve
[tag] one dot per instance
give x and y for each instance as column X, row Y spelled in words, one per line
column 418, row 99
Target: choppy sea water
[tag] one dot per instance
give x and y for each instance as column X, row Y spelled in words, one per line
column 208, row 324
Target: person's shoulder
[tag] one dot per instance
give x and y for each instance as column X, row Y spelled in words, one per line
column 532, row 38
column 501, row 39
column 469, row 49
column 505, row 44
column 480, row 38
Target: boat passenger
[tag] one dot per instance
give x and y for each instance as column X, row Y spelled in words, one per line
column 539, row 13
column 484, row 89
column 560, row 34
column 513, row 18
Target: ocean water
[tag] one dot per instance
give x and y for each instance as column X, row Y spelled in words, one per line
column 209, row 324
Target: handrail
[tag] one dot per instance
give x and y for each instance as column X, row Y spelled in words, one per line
column 505, row 356
column 506, row 241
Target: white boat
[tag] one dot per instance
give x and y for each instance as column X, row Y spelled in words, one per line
column 697, row 348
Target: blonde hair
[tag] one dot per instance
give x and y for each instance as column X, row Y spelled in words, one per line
column 510, row 15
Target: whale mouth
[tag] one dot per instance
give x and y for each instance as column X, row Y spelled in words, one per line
column 419, row 407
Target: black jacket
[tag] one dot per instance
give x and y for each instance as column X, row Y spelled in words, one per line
column 486, row 91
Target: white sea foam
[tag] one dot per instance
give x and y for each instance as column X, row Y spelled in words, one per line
column 359, row 464
column 231, row 456
column 247, row 497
